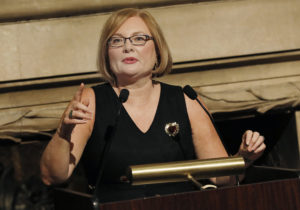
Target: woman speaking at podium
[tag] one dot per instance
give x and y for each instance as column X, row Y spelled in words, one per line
column 150, row 122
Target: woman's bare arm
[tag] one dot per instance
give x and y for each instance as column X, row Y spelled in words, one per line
column 208, row 144
column 66, row 146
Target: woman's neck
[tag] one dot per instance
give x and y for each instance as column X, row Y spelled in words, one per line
column 139, row 92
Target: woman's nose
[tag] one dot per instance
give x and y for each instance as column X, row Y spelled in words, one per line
column 127, row 46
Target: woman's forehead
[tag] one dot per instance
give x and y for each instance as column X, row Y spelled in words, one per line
column 133, row 25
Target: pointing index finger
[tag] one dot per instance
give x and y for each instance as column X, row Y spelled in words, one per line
column 78, row 93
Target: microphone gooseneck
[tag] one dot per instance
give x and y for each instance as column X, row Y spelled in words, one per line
column 191, row 93
column 109, row 135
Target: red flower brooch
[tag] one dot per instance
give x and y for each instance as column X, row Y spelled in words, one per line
column 172, row 129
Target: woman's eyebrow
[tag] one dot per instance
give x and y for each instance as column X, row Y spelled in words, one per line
column 138, row 32
column 135, row 33
column 117, row 34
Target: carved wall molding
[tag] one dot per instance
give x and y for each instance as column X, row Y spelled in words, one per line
column 17, row 123
column 178, row 68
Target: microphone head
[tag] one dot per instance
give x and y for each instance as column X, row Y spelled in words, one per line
column 124, row 93
column 190, row 92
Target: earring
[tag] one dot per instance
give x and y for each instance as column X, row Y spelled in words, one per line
column 155, row 65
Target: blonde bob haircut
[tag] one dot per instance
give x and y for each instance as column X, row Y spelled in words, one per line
column 114, row 22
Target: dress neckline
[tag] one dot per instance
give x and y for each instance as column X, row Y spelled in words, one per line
column 155, row 115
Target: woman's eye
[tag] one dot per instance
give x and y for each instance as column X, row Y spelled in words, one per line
column 139, row 38
column 116, row 40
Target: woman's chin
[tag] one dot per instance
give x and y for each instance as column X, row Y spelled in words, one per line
column 133, row 77
column 132, row 74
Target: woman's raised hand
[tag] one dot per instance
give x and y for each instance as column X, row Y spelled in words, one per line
column 252, row 146
column 77, row 112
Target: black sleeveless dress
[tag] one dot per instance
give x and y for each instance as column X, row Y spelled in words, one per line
column 130, row 146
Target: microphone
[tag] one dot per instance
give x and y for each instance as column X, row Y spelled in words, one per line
column 123, row 95
column 110, row 133
column 191, row 93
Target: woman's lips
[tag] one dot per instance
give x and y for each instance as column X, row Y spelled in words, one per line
column 129, row 60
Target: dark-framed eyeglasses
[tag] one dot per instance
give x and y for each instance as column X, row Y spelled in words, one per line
column 137, row 40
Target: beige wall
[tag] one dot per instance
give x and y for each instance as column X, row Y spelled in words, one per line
column 199, row 31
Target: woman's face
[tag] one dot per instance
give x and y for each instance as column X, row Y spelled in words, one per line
column 130, row 62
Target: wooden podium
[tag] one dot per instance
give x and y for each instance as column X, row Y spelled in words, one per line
column 272, row 195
